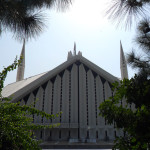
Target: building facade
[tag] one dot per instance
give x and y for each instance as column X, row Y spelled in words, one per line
column 76, row 88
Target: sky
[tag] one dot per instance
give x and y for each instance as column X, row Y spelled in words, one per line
column 86, row 24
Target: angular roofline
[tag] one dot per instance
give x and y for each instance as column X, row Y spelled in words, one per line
column 50, row 74
column 27, row 78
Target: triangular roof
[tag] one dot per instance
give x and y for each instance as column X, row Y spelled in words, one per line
column 20, row 89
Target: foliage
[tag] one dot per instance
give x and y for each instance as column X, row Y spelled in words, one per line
column 24, row 17
column 16, row 129
column 129, row 109
column 142, row 61
column 3, row 74
column 128, row 11
column 131, row 11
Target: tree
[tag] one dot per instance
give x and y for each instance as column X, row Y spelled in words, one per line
column 16, row 127
column 128, row 11
column 141, row 61
column 129, row 107
column 24, row 17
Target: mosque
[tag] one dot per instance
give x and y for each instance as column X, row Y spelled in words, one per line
column 76, row 88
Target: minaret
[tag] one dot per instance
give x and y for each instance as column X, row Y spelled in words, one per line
column 123, row 64
column 74, row 49
column 21, row 68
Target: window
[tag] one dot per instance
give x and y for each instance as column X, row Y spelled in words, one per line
column 69, row 133
column 34, row 106
column 103, row 93
column 41, row 134
column 106, row 134
column 115, row 134
column 97, row 134
column 69, row 98
column 87, row 134
column 61, row 97
column 43, row 103
column 50, row 134
column 95, row 101
column 60, row 134
column 87, row 100
column 52, row 100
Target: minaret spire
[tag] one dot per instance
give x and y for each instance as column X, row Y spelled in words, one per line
column 123, row 64
column 21, row 68
column 74, row 48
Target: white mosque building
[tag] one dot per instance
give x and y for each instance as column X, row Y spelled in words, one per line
column 75, row 87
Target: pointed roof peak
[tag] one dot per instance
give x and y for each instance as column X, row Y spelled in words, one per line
column 30, row 84
column 74, row 53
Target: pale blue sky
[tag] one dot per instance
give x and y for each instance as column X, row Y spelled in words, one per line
column 95, row 36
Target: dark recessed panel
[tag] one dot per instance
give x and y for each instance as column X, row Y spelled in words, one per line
column 94, row 74
column 86, row 68
column 110, row 85
column 103, row 80
column 61, row 73
column 69, row 68
column 26, row 98
column 78, row 63
column 44, row 85
column 53, row 79
column 35, row 91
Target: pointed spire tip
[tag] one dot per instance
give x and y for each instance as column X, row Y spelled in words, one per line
column 74, row 48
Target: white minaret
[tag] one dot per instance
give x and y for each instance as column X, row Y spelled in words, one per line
column 74, row 49
column 21, row 68
column 123, row 64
